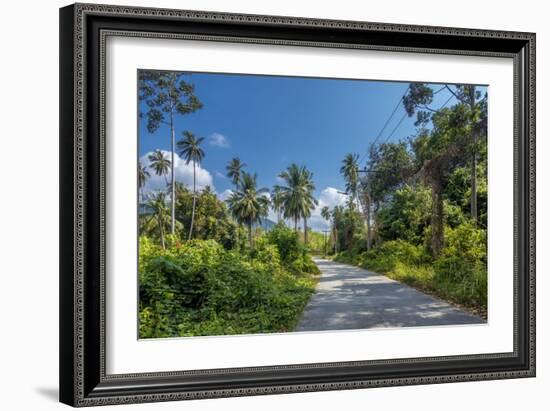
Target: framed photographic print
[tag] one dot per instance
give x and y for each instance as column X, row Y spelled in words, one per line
column 261, row 204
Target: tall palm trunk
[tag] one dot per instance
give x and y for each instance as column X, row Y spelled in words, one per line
column 296, row 224
column 250, row 234
column 194, row 200
column 305, row 230
column 161, row 230
column 473, row 194
column 172, row 179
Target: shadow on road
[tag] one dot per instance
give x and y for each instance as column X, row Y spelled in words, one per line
column 349, row 297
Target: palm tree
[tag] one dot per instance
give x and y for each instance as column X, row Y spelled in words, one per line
column 277, row 202
column 143, row 176
column 309, row 202
column 160, row 164
column 297, row 194
column 160, row 213
column 166, row 95
column 190, row 150
column 350, row 171
column 234, row 170
column 249, row 204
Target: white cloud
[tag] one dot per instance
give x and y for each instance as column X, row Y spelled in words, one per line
column 329, row 197
column 225, row 194
column 218, row 140
column 183, row 173
column 221, row 175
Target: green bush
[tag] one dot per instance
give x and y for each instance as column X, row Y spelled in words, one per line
column 462, row 266
column 293, row 254
column 390, row 253
column 200, row 288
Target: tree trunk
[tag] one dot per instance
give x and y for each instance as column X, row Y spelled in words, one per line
column 473, row 199
column 194, row 201
column 172, row 179
column 437, row 238
column 250, row 234
column 369, row 223
column 296, row 224
column 161, row 229
column 473, row 183
column 305, row 230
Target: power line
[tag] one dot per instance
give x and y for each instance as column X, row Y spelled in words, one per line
column 386, row 123
column 403, row 118
column 395, row 128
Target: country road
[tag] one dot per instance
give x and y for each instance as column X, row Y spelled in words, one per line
column 349, row 297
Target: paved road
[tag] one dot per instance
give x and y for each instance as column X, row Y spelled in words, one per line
column 349, row 297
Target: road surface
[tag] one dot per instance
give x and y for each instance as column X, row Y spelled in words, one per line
column 349, row 297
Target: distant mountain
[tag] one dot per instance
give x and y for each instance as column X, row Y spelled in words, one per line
column 265, row 224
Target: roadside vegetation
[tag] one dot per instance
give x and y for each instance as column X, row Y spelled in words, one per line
column 417, row 211
column 206, row 266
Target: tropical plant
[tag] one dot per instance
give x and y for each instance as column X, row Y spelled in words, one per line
column 160, row 164
column 166, row 94
column 190, row 150
column 234, row 170
column 157, row 203
column 249, row 204
column 277, row 202
column 143, row 176
column 350, row 172
column 297, row 194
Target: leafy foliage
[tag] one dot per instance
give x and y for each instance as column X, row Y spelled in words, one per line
column 199, row 288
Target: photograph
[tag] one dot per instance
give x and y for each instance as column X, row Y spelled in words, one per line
column 276, row 204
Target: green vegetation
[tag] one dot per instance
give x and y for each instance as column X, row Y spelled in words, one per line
column 205, row 265
column 417, row 212
column 199, row 287
column 422, row 215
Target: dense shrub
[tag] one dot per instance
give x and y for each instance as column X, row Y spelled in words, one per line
column 294, row 255
column 199, row 288
column 462, row 265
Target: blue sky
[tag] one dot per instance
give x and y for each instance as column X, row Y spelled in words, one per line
column 270, row 122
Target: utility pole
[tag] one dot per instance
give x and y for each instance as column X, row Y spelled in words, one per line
column 326, row 233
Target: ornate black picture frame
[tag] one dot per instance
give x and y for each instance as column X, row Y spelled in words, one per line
column 83, row 30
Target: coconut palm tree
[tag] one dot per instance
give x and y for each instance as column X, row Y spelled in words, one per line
column 350, row 171
column 190, row 150
column 234, row 170
column 143, row 176
column 249, row 204
column 277, row 202
column 297, row 194
column 309, row 202
column 161, row 213
column 160, row 164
